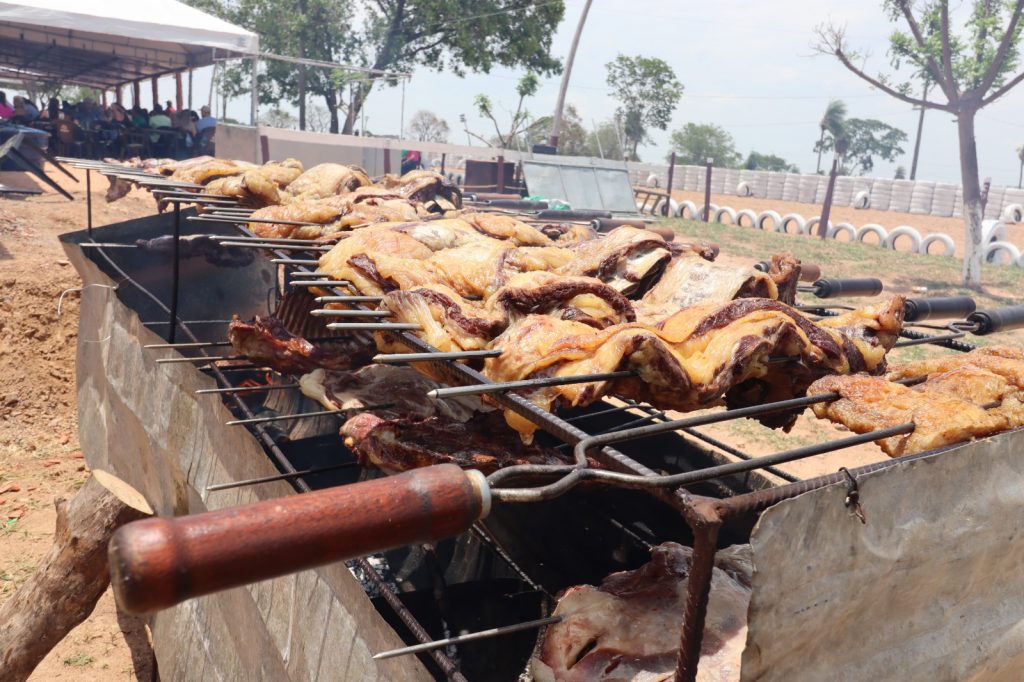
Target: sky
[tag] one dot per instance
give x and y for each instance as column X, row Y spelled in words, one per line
column 748, row 67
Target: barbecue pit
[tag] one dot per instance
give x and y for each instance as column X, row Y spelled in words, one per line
column 502, row 571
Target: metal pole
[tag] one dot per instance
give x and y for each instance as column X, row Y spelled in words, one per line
column 668, row 189
column 917, row 142
column 175, row 273
column 707, row 191
column 501, row 175
column 190, row 89
column 179, row 96
column 826, row 207
column 443, row 157
column 155, row 87
column 88, row 201
column 556, row 124
column 401, row 119
column 213, row 79
column 255, row 100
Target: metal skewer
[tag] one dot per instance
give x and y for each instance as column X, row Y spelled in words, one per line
column 322, row 312
column 273, row 245
column 244, row 389
column 400, row 358
column 305, row 415
column 190, row 344
column 500, row 387
column 374, row 326
column 348, row 299
column 320, row 283
column 279, row 477
column 482, row 634
column 202, row 358
column 294, row 261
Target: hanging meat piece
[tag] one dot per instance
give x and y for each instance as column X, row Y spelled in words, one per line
column 506, row 227
column 426, row 187
column 627, row 258
column 207, row 171
column 266, row 340
column 483, row 442
column 629, row 627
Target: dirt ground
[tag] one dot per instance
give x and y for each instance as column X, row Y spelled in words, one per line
column 40, row 458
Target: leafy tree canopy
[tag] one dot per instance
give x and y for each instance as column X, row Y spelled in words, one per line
column 572, row 141
column 695, row 143
column 648, row 91
column 769, row 162
column 862, row 141
column 426, row 126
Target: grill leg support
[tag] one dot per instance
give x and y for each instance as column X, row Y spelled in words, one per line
column 704, row 520
column 88, row 202
column 175, row 274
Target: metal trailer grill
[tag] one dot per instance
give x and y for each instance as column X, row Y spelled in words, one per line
column 718, row 505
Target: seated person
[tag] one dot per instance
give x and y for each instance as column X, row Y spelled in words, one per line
column 205, row 120
column 88, row 113
column 24, row 111
column 158, row 119
column 6, row 110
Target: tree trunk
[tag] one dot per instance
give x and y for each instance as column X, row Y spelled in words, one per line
column 332, row 106
column 972, row 211
column 361, row 93
column 821, row 145
column 65, row 588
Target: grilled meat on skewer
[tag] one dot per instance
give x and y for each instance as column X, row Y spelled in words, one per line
column 207, row 171
column 483, row 442
column 953, row 405
column 698, row 357
column 266, row 340
column 628, row 627
column 257, row 187
column 325, row 180
column 334, row 214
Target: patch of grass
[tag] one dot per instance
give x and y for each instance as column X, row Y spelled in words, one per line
column 78, row 660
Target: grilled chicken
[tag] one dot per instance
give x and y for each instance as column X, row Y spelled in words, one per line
column 325, row 180
column 426, row 187
column 964, row 396
column 207, row 171
column 698, row 357
column 628, row 627
column 332, row 214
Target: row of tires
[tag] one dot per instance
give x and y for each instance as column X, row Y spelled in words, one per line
column 903, row 238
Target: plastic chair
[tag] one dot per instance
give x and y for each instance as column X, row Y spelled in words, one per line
column 205, row 142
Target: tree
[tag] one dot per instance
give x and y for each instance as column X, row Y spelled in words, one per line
column 314, row 29
column 831, row 123
column 604, row 141
column 426, row 126
column 862, row 140
column 526, row 87
column 278, row 118
column 318, row 119
column 455, row 37
column 647, row 90
column 900, row 174
column 769, row 162
column 697, row 142
column 572, row 138
column 970, row 59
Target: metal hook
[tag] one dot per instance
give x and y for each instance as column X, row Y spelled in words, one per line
column 852, row 500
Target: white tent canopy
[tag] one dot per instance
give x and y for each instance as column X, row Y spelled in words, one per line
column 108, row 43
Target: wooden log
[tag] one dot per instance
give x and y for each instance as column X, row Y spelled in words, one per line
column 65, row 588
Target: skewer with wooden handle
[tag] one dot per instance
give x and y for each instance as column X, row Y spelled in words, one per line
column 159, row 562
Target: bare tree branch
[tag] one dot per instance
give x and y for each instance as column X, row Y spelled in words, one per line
column 947, row 52
column 948, row 88
column 1004, row 48
column 1002, row 91
column 832, row 42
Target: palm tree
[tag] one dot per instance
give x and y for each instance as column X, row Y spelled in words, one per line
column 831, row 123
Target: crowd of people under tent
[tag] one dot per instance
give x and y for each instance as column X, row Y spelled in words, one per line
column 93, row 129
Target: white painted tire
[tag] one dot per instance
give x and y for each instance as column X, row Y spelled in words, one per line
column 847, row 228
column 1013, row 213
column 948, row 247
column 993, row 248
column 872, row 228
column 687, row 209
column 746, row 213
column 862, row 199
column 660, row 210
column 725, row 211
column 1020, row 262
column 811, row 227
column 712, row 210
column 904, row 231
column 796, row 219
column 743, row 189
column 768, row 215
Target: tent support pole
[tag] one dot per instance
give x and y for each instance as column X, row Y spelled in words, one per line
column 254, row 103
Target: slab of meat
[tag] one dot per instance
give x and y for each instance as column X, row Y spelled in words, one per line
column 698, row 357
column 325, row 180
column 483, row 442
column 333, row 214
column 426, row 187
column 629, row 627
column 257, row 187
column 207, row 171
column 266, row 340
column 690, row 279
column 403, row 389
column 449, row 321
column 965, row 396
column 627, row 258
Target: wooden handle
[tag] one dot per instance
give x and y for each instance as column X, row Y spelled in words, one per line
column 159, row 562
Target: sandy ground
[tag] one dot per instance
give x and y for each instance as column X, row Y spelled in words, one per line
column 954, row 227
column 40, row 459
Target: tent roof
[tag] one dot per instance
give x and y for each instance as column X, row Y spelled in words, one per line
column 106, row 43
